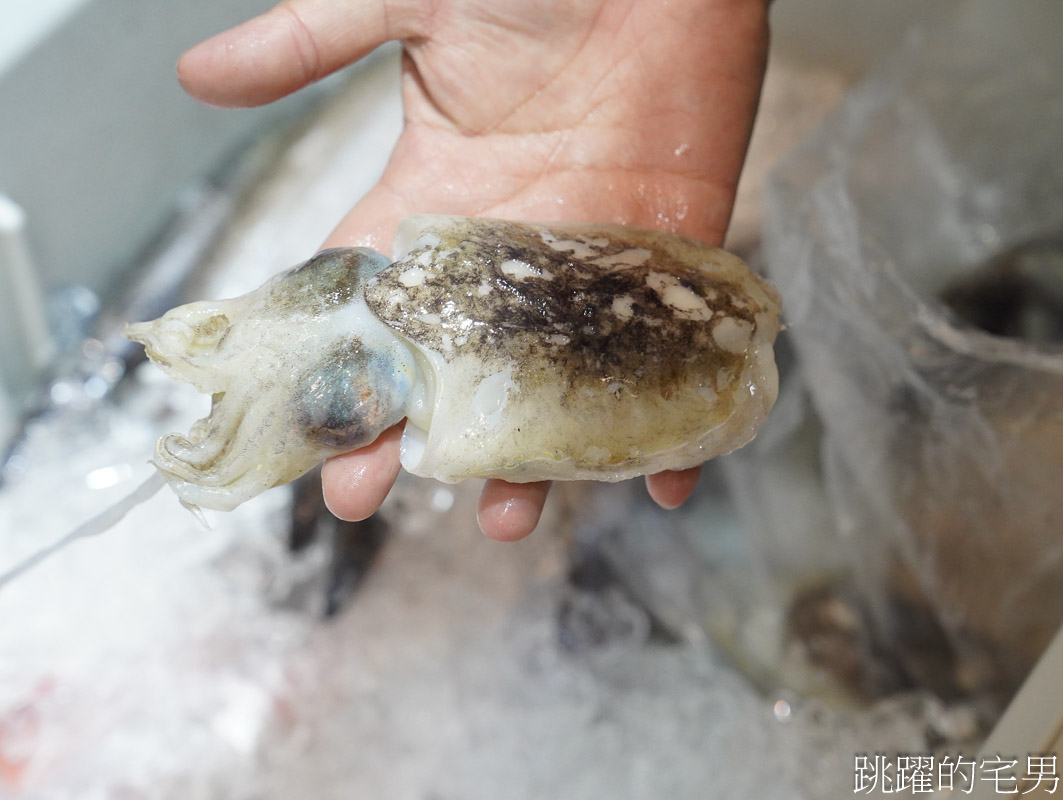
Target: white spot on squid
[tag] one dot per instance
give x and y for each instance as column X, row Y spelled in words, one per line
column 632, row 257
column 685, row 302
column 491, row 396
column 558, row 339
column 582, row 248
column 732, row 334
column 413, row 277
column 483, row 289
column 595, row 454
column 623, row 306
column 515, row 268
column 429, row 319
column 429, row 240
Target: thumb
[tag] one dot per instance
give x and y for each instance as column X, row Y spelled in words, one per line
column 292, row 45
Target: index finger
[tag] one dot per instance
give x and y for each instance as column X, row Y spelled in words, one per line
column 292, row 45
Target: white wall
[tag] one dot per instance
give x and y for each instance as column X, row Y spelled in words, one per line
column 96, row 137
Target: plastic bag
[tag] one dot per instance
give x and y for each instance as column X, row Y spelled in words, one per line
column 942, row 449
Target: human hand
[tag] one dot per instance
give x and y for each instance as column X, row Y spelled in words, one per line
column 628, row 111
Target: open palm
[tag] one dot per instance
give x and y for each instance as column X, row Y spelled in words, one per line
column 629, row 111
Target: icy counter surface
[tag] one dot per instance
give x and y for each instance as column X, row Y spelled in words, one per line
column 167, row 661
column 163, row 660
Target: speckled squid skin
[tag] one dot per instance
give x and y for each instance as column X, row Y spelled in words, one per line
column 518, row 351
column 576, row 351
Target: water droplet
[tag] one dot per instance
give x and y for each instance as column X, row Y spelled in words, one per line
column 441, row 500
column 61, row 393
column 782, row 710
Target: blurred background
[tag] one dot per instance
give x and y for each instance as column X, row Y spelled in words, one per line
column 877, row 573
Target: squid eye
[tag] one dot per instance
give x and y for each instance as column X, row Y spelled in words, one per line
column 333, row 398
column 348, row 397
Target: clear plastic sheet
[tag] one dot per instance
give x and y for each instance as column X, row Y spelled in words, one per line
column 942, row 448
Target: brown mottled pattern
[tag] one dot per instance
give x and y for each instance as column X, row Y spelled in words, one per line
column 654, row 348
column 329, row 280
